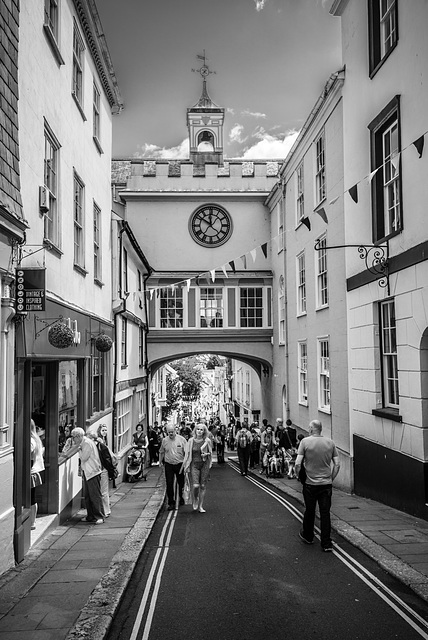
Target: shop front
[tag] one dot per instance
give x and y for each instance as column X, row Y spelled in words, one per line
column 62, row 380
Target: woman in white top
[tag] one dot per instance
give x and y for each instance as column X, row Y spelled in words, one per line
column 37, row 465
column 198, row 460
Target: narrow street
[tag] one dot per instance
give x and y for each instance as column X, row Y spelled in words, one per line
column 239, row 571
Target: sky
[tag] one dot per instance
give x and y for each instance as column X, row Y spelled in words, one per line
column 271, row 60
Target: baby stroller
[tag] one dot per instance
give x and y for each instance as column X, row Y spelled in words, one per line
column 135, row 464
column 274, row 463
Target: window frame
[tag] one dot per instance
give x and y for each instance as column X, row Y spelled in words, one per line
column 378, row 127
column 302, row 372
column 322, row 292
column 324, row 389
column 123, row 425
column 300, row 193
column 257, row 309
column 301, row 284
column 97, row 243
column 78, row 221
column 77, row 86
column 281, row 310
column 51, row 227
column 51, row 27
column 376, row 56
column 96, row 117
column 124, row 343
column 280, row 222
column 211, row 319
column 174, row 304
column 389, row 359
column 320, row 169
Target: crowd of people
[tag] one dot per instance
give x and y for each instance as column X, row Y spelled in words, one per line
column 185, row 452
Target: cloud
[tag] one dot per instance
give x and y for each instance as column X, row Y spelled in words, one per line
column 230, row 110
column 235, row 134
column 260, row 4
column 270, row 146
column 253, row 114
column 181, row 151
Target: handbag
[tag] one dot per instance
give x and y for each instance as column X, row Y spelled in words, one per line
column 186, row 491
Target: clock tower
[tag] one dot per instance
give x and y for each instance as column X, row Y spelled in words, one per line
column 205, row 122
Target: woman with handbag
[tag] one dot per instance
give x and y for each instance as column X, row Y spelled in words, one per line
column 37, row 465
column 197, row 461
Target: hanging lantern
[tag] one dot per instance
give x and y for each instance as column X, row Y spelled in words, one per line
column 60, row 336
column 103, row 342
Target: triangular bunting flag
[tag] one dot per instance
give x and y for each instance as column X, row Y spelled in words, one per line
column 334, row 200
column 306, row 222
column 232, row 265
column 395, row 161
column 212, row 272
column 264, row 249
column 372, row 174
column 321, row 212
column 172, row 287
column 157, row 293
column 188, row 285
column 223, row 268
column 353, row 192
column 151, row 293
column 419, row 144
column 253, row 253
column 244, row 261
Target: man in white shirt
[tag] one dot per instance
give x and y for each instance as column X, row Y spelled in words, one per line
column 171, row 455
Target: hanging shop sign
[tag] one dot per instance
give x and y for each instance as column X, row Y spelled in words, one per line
column 30, row 289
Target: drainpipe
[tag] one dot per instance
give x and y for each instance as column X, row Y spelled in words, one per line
column 116, row 314
column 146, row 362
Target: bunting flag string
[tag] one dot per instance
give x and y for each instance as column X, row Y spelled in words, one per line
column 353, row 192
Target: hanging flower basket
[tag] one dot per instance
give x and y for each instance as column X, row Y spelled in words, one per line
column 60, row 336
column 103, row 342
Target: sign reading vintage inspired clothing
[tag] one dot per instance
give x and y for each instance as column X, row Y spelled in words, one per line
column 30, row 289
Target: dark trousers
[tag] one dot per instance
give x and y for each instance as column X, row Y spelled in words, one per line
column 312, row 495
column 93, row 498
column 243, row 457
column 173, row 471
column 154, row 454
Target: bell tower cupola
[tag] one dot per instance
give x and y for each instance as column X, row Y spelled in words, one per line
column 205, row 122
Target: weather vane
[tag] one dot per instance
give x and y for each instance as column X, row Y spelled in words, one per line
column 204, row 70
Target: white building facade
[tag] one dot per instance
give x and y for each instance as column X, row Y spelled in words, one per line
column 68, row 93
column 385, row 99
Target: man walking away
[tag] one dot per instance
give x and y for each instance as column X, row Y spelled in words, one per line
column 317, row 453
column 171, row 454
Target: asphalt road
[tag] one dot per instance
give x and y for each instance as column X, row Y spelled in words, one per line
column 240, row 572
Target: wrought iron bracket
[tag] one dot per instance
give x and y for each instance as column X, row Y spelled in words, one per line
column 46, row 323
column 375, row 257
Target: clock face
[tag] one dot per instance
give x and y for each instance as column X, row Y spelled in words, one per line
column 210, row 225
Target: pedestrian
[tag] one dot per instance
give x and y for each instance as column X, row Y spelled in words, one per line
column 267, row 445
column 171, row 455
column 91, row 472
column 108, row 467
column 198, row 462
column 317, row 454
column 243, row 447
column 290, row 443
column 139, row 438
column 185, row 430
column 37, row 466
column 255, row 446
column 221, row 442
column 154, row 444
